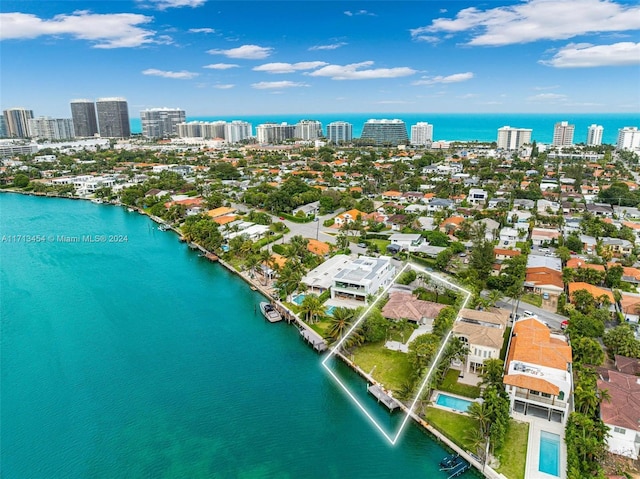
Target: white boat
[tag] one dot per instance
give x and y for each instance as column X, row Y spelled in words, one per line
column 130, row 210
column 269, row 312
column 164, row 227
column 97, row 201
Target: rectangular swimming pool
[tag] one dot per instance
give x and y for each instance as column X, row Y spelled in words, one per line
column 298, row 299
column 549, row 453
column 453, row 402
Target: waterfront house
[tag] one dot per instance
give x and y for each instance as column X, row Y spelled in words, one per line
column 538, row 371
column 362, row 277
column 320, row 279
column 404, row 305
column 483, row 333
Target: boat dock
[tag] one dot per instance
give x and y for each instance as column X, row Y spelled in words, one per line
column 383, row 397
column 314, row 339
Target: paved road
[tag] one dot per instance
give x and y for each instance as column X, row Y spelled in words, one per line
column 554, row 320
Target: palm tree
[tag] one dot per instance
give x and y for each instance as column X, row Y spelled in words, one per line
column 252, row 262
column 494, row 297
column 312, row 308
column 341, row 322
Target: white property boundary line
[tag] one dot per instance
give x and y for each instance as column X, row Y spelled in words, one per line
column 394, row 439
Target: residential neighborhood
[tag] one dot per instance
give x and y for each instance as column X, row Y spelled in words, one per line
column 524, row 263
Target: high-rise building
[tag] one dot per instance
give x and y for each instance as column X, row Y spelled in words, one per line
column 48, row 128
column 213, row 129
column 3, row 127
column 83, row 114
column 628, row 138
column 16, row 121
column 237, row 131
column 563, row 134
column 421, row 133
column 594, row 135
column 308, row 130
column 113, row 117
column 513, row 138
column 385, row 132
column 340, row 132
column 275, row 132
column 161, row 122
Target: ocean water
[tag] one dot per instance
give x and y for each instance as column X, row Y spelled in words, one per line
column 459, row 126
column 138, row 359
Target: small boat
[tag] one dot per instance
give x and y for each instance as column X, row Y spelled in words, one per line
column 270, row 312
column 164, row 227
column 97, row 201
column 130, row 210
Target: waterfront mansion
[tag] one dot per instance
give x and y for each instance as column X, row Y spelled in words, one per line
column 353, row 279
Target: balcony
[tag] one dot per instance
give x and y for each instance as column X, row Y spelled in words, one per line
column 534, row 398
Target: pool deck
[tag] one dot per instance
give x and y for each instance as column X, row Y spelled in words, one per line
column 536, row 425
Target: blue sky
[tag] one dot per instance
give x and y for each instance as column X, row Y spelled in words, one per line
column 262, row 57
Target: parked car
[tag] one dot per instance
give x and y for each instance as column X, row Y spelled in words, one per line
column 564, row 324
column 528, row 313
column 545, row 295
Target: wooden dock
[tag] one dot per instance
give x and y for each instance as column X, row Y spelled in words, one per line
column 383, row 397
column 314, row 339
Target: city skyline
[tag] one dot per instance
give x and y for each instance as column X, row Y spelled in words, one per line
column 213, row 58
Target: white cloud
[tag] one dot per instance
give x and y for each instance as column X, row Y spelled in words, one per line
column 332, row 46
column 181, row 75
column 466, row 96
column 202, row 30
column 455, row 78
column 548, row 97
column 359, row 12
column 225, row 86
column 587, row 55
column 221, row 66
column 427, row 38
column 354, row 71
column 288, row 67
column 112, row 30
column 164, row 4
column 269, row 85
column 534, row 20
column 247, row 52
column 542, row 88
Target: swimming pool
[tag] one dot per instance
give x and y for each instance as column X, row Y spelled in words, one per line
column 453, row 402
column 549, row 453
column 330, row 310
column 298, row 299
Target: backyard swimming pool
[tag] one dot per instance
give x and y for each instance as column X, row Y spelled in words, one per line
column 549, row 453
column 453, row 402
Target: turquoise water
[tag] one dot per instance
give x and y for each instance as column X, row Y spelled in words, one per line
column 549, row 453
column 453, row 402
column 457, row 126
column 139, row 359
column 330, row 310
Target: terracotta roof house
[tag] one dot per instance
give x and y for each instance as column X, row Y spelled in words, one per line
column 483, row 332
column 591, row 289
column 222, row 211
column 538, row 371
column 404, row 305
column 621, row 413
column 349, row 217
column 318, row 247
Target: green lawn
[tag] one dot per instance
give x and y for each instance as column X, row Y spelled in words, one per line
column 455, row 426
column 451, row 385
column 531, row 298
column 392, row 368
column 381, row 244
column 321, row 327
column 513, row 454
